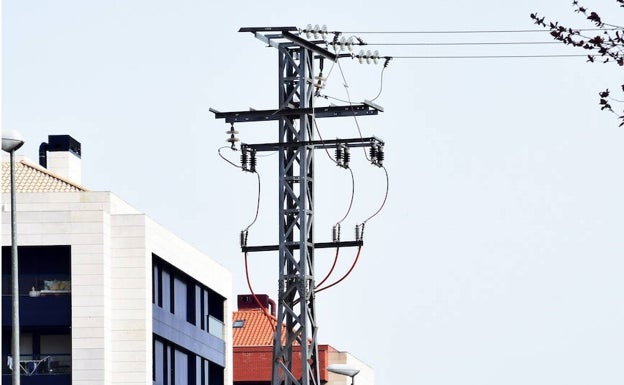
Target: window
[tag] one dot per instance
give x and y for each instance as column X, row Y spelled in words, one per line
column 156, row 277
column 180, row 298
column 239, row 323
column 181, row 372
column 46, row 269
column 50, row 347
column 173, row 365
column 188, row 299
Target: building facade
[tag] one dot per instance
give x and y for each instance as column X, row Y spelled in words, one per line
column 253, row 326
column 107, row 296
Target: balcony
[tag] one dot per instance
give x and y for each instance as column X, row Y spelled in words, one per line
column 215, row 327
column 44, row 310
column 51, row 369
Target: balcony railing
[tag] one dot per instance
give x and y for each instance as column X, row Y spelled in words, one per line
column 215, row 327
column 39, row 365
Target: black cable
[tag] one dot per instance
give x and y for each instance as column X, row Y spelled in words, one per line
column 357, row 124
column 461, row 32
column 380, row 84
column 336, row 162
column 352, row 197
column 225, row 159
column 489, row 56
column 259, row 189
column 318, row 132
column 257, row 204
column 469, row 43
column 334, row 98
column 383, row 203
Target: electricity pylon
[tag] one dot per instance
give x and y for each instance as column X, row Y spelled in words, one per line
column 295, row 340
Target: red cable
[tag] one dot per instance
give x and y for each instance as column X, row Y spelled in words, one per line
column 344, row 276
column 330, row 270
column 270, row 317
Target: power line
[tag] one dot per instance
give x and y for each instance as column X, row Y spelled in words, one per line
column 468, row 43
column 488, row 56
column 471, row 31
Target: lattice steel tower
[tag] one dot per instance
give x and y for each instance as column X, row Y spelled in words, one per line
column 296, row 321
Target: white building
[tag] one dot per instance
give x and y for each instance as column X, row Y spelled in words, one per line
column 108, row 296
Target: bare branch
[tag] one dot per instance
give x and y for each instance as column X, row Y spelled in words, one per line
column 608, row 45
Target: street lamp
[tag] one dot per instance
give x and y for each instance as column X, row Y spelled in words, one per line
column 11, row 142
column 345, row 370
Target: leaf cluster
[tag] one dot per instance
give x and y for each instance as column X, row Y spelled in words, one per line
column 607, row 46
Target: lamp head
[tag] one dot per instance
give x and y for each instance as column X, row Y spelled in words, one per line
column 344, row 369
column 11, row 140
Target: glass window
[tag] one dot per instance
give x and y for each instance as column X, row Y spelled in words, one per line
column 42, row 268
column 198, row 307
column 167, row 298
column 215, row 373
column 215, row 305
column 155, row 285
column 26, row 344
column 55, row 344
column 180, row 301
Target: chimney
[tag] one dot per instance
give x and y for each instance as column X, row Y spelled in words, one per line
column 61, row 155
column 247, row 302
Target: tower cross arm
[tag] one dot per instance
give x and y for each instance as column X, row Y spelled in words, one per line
column 319, row 112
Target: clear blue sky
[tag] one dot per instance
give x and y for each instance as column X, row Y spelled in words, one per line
column 498, row 257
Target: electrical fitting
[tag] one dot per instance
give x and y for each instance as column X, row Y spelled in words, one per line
column 243, row 238
column 377, row 154
column 343, row 43
column 244, row 159
column 368, row 57
column 336, row 232
column 320, row 79
column 380, row 156
column 359, row 232
column 315, row 32
column 339, row 154
column 252, row 161
column 343, row 155
column 248, row 159
column 346, row 157
column 232, row 139
column 320, row 82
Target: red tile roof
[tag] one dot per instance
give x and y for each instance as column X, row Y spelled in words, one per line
column 257, row 328
column 253, row 347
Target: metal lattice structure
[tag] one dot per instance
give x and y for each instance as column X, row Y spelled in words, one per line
column 295, row 347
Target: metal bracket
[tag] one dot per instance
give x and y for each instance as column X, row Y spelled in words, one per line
column 319, row 112
column 331, row 143
column 321, row 245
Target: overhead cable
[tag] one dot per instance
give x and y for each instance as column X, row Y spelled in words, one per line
column 269, row 317
column 490, row 56
column 468, row 43
column 355, row 261
column 461, row 32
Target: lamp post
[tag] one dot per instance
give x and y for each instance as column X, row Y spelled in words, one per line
column 11, row 141
column 345, row 370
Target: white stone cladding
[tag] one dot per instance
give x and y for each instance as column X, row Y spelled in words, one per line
column 111, row 273
column 365, row 376
column 65, row 164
